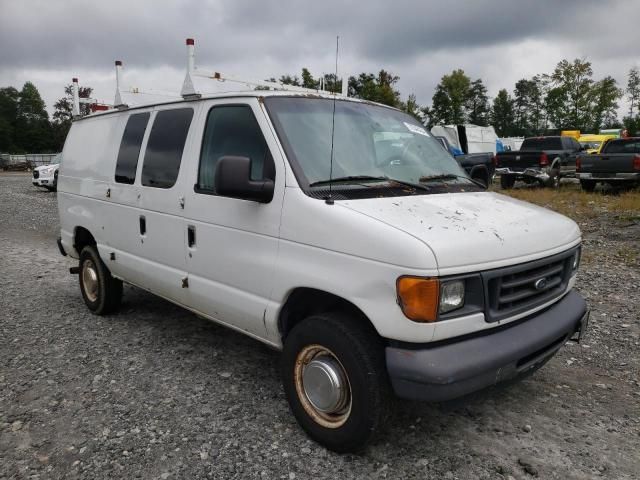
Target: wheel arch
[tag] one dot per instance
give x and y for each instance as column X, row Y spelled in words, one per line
column 81, row 238
column 305, row 301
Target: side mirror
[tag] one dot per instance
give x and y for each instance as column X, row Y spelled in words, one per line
column 233, row 179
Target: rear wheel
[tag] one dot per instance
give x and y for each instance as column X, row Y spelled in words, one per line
column 507, row 181
column 588, row 185
column 335, row 380
column 101, row 292
column 554, row 180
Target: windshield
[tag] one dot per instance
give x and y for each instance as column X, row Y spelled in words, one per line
column 369, row 141
column 590, row 145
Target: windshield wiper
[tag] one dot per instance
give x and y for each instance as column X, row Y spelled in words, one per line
column 349, row 178
column 361, row 178
column 449, row 176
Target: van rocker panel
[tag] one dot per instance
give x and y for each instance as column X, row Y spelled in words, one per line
column 452, row 370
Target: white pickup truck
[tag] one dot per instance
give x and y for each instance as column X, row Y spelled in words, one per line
column 47, row 175
column 336, row 230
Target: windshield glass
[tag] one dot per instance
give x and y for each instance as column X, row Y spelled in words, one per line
column 590, row 145
column 369, row 141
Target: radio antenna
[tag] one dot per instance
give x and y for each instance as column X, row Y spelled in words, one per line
column 329, row 199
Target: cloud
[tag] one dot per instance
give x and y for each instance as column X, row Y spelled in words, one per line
column 499, row 41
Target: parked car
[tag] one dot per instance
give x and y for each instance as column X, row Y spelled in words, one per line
column 368, row 257
column 618, row 164
column 540, row 159
column 479, row 166
column 47, row 175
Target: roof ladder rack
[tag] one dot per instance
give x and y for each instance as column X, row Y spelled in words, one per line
column 189, row 91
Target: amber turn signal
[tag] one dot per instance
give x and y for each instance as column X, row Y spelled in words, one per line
column 418, row 298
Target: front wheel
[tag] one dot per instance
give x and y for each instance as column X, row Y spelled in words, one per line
column 101, row 292
column 335, row 380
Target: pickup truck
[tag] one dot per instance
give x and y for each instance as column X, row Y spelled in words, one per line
column 540, row 159
column 479, row 166
column 617, row 164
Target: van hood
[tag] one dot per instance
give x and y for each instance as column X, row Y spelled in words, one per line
column 474, row 231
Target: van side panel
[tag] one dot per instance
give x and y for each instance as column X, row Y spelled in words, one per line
column 85, row 175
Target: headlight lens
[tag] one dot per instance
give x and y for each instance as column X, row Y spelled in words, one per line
column 451, row 295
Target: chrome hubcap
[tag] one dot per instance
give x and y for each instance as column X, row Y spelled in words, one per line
column 90, row 280
column 323, row 386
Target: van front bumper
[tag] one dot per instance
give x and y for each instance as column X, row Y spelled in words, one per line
column 454, row 369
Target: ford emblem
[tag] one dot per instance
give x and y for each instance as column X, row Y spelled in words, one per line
column 540, row 283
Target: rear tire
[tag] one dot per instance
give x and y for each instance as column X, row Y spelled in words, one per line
column 554, row 180
column 357, row 355
column 507, row 181
column 588, row 185
column 101, row 292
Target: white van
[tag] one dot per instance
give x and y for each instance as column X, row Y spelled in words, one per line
column 367, row 256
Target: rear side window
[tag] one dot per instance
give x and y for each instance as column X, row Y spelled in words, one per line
column 542, row 143
column 127, row 162
column 165, row 146
column 232, row 130
column 623, row 146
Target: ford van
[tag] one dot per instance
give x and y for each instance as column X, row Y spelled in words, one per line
column 335, row 230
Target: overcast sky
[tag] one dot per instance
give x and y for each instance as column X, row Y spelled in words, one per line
column 48, row 42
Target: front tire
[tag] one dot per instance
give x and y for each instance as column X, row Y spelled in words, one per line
column 335, row 380
column 101, row 292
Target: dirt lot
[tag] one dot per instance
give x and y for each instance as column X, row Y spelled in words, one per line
column 155, row 392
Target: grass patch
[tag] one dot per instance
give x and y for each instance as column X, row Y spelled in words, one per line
column 573, row 202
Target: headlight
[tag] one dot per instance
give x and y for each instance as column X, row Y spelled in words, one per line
column 451, row 295
column 422, row 299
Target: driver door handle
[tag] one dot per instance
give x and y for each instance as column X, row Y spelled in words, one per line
column 191, row 236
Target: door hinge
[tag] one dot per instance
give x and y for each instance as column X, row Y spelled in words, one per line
column 185, row 282
column 108, row 193
column 181, row 201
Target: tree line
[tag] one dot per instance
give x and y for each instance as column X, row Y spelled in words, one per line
column 25, row 125
column 567, row 98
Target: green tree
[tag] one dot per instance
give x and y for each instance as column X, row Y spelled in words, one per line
column 411, row 107
column 307, row 79
column 633, row 90
column 604, row 111
column 289, row 80
column 632, row 121
column 529, row 112
column 574, row 84
column 449, row 100
column 379, row 88
column 477, row 104
column 33, row 131
column 9, row 99
column 502, row 114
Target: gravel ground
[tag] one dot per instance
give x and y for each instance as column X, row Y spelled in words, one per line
column 156, row 392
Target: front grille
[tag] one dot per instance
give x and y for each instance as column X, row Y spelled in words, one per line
column 513, row 290
column 36, row 174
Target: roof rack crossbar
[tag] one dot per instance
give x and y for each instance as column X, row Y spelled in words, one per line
column 189, row 91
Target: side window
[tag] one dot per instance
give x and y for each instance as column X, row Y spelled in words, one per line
column 127, row 162
column 232, row 130
column 165, row 146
